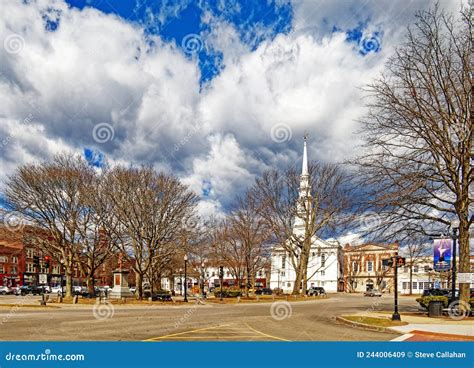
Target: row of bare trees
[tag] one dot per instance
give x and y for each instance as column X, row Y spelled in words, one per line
column 89, row 214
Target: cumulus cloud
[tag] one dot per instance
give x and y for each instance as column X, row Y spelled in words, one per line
column 66, row 72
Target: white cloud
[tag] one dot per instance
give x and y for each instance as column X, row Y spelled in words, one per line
column 97, row 68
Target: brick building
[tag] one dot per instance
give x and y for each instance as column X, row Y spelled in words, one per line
column 363, row 269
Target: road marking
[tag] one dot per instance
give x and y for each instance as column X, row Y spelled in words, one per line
column 184, row 332
column 215, row 333
column 403, row 337
column 266, row 335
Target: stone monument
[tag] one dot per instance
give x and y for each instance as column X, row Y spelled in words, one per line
column 120, row 289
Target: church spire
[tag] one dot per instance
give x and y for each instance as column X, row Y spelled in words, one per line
column 304, row 178
column 304, row 171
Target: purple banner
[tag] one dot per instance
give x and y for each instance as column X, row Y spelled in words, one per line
column 442, row 254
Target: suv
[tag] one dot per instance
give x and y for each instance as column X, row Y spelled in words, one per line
column 316, row 290
column 435, row 292
column 264, row 291
column 27, row 289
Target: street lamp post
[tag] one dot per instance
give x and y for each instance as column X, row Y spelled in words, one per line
column 395, row 315
column 185, row 278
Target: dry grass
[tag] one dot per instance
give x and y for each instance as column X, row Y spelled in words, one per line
column 373, row 321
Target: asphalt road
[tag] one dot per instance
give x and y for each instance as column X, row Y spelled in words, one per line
column 279, row 321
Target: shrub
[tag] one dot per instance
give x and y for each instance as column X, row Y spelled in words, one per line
column 425, row 300
column 227, row 293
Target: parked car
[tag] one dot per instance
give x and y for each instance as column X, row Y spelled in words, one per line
column 372, row 292
column 316, row 290
column 4, row 290
column 133, row 289
column 57, row 290
column 435, row 292
column 264, row 291
column 28, row 289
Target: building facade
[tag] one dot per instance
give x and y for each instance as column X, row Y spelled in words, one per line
column 325, row 257
column 363, row 268
column 423, row 276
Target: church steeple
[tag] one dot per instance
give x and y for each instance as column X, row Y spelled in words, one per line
column 304, row 178
column 304, row 171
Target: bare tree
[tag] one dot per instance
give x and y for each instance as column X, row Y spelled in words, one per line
column 249, row 238
column 280, row 204
column 150, row 208
column 49, row 196
column 419, row 134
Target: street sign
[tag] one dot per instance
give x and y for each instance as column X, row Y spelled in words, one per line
column 43, row 278
column 466, row 278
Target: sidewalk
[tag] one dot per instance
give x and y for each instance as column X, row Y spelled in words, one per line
column 424, row 328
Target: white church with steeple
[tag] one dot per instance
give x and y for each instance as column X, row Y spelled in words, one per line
column 325, row 258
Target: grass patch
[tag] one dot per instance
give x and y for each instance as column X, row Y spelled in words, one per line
column 373, row 321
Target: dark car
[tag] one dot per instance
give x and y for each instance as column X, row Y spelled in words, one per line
column 435, row 292
column 28, row 289
column 316, row 290
column 264, row 291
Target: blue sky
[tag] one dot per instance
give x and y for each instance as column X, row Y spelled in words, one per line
column 214, row 92
column 256, row 21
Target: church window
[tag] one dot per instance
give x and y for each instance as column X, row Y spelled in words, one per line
column 283, row 261
column 323, row 260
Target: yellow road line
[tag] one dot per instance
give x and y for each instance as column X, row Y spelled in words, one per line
column 264, row 334
column 185, row 332
column 215, row 337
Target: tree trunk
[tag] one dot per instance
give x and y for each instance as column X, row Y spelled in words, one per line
column 138, row 280
column 296, row 286
column 68, row 283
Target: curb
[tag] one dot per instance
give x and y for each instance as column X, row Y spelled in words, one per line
column 365, row 326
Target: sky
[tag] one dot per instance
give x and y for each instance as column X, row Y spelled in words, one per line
column 214, row 92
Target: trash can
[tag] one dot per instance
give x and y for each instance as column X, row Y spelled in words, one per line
column 435, row 309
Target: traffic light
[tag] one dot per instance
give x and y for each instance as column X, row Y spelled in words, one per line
column 400, row 261
column 36, row 261
column 46, row 262
column 221, row 272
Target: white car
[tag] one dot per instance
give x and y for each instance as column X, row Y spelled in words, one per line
column 4, row 290
column 57, row 290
